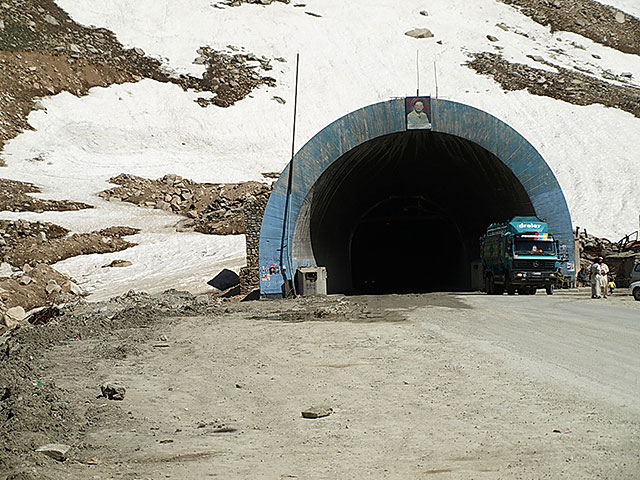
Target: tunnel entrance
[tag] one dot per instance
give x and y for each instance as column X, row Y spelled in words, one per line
column 403, row 213
column 393, row 249
column 386, row 208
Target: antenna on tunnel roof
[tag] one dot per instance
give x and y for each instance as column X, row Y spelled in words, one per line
column 435, row 74
column 287, row 217
column 417, row 72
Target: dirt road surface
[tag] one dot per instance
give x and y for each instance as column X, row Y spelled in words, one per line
column 420, row 386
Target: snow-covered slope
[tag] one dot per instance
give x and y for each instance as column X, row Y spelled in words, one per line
column 354, row 54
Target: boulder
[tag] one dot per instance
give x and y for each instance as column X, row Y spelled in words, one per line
column 113, row 391
column 57, row 451
column 5, row 270
column 13, row 316
column 419, row 33
column 52, row 287
column 70, row 287
column 317, row 412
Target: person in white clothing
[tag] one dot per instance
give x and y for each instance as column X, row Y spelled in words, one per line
column 604, row 277
column 594, row 272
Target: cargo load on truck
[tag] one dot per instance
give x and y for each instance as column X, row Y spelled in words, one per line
column 519, row 256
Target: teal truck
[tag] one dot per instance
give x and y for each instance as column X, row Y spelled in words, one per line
column 519, row 256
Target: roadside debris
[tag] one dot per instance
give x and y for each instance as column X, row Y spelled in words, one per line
column 317, row 412
column 113, row 391
column 57, row 451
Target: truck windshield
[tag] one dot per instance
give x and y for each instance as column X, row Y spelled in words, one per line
column 525, row 246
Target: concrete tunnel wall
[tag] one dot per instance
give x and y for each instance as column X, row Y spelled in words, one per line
column 341, row 158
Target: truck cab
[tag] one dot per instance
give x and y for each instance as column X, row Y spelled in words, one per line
column 519, row 256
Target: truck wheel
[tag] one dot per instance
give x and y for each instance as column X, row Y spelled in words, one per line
column 549, row 289
column 498, row 289
column 636, row 294
column 532, row 290
column 511, row 290
column 523, row 291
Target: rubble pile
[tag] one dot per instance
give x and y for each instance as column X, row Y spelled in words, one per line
column 230, row 77
column 567, row 85
column 214, row 208
column 601, row 23
column 15, row 232
column 226, row 214
column 26, row 242
column 29, row 287
column 15, row 199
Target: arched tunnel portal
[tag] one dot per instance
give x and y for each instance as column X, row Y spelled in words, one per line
column 388, row 209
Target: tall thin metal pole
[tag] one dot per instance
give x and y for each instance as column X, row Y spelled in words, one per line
column 417, row 73
column 286, row 227
column 435, row 74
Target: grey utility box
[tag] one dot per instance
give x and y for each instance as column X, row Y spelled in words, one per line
column 311, row 281
column 477, row 275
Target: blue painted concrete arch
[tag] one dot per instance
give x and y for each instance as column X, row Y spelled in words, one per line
column 284, row 242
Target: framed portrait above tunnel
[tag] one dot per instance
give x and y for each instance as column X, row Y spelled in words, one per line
column 418, row 113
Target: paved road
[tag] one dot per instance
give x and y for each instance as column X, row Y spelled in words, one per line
column 593, row 345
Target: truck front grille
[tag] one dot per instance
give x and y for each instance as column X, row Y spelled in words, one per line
column 533, row 265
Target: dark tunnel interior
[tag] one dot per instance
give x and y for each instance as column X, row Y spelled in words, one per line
column 404, row 213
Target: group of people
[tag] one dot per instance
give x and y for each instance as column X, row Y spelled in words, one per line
column 599, row 276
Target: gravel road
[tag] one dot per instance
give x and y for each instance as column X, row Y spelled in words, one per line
column 452, row 386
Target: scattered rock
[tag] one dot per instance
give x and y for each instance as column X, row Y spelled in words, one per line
column 71, row 287
column 118, row 263
column 13, row 316
column 419, row 33
column 491, row 38
column 25, row 280
column 57, row 451
column 5, row 270
column 313, row 14
column 113, row 391
column 620, row 18
column 52, row 287
column 424, row 13
column 280, row 100
column 317, row 412
column 536, row 58
column 51, row 19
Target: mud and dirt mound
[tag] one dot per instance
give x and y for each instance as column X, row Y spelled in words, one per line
column 26, row 242
column 30, row 287
column 15, row 198
column 213, row 208
column 566, row 85
column 601, row 23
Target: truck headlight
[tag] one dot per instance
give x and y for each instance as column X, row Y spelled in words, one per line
column 518, row 274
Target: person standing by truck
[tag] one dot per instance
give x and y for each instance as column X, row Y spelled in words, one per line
column 604, row 277
column 595, row 279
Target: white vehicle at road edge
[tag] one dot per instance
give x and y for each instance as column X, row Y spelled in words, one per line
column 634, row 288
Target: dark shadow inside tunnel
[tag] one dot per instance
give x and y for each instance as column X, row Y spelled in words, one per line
column 404, row 213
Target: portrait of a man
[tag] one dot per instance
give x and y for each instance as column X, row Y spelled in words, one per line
column 418, row 113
